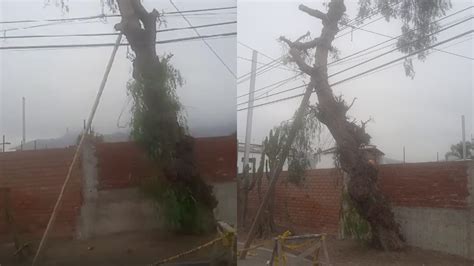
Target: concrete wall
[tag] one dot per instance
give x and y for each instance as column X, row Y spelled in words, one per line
column 226, row 194
column 123, row 210
column 433, row 203
column 435, row 229
column 112, row 201
column 470, row 220
column 113, row 205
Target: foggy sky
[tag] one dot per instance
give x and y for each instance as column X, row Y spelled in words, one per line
column 60, row 85
column 423, row 114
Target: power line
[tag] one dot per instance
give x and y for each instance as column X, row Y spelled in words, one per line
column 397, row 48
column 439, row 50
column 372, row 69
column 36, row 26
column 260, row 63
column 269, row 57
column 277, row 93
column 262, row 71
column 258, row 68
column 205, row 42
column 371, row 59
column 112, row 44
column 112, row 15
column 347, row 25
column 382, row 69
column 357, row 20
column 371, row 47
column 201, row 10
column 110, row 33
column 292, row 77
column 245, row 45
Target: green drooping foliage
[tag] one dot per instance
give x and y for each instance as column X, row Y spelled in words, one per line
column 183, row 213
column 354, row 225
column 418, row 19
column 157, row 120
column 302, row 147
column 158, row 125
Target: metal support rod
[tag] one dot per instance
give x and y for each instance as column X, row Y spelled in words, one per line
column 78, row 149
column 248, row 133
column 463, row 127
column 296, row 125
column 24, row 121
column 404, row 155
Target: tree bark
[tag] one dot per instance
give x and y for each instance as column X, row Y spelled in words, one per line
column 349, row 137
column 179, row 169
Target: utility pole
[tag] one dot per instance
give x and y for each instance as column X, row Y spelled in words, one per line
column 248, row 133
column 404, row 154
column 23, row 141
column 463, row 128
column 4, row 143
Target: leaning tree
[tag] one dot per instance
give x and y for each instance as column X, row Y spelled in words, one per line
column 157, row 122
column 158, row 125
column 419, row 28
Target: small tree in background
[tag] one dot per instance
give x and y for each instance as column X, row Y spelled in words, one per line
column 456, row 151
column 298, row 162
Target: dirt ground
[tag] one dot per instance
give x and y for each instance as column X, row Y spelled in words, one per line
column 352, row 253
column 121, row 249
column 145, row 248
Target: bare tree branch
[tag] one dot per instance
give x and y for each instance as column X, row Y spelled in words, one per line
column 314, row 13
column 352, row 103
column 295, row 54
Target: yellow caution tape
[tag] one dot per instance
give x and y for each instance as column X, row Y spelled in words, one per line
column 227, row 240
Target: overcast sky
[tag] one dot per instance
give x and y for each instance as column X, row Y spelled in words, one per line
column 423, row 114
column 60, row 84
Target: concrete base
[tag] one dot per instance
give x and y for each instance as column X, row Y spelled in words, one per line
column 127, row 210
column 443, row 230
column 226, row 194
column 124, row 210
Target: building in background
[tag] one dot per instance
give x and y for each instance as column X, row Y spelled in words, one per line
column 323, row 159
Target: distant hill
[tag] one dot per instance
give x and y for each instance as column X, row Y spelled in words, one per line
column 69, row 139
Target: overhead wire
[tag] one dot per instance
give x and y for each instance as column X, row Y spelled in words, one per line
column 89, row 45
column 370, row 70
column 112, row 15
column 112, row 33
column 449, row 25
column 205, row 42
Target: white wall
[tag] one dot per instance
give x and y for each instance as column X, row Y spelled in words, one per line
column 326, row 162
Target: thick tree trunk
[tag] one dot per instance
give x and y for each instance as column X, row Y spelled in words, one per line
column 362, row 186
column 179, row 168
column 350, row 137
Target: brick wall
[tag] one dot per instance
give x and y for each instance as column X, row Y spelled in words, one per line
column 216, row 158
column 35, row 179
column 123, row 164
column 315, row 204
column 434, row 184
